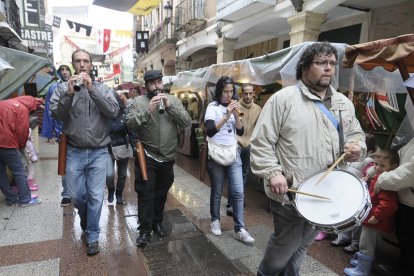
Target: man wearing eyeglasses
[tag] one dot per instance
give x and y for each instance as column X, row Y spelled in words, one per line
column 299, row 133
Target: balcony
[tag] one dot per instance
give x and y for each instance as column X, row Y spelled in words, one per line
column 2, row 10
column 160, row 37
column 234, row 10
column 12, row 15
column 190, row 16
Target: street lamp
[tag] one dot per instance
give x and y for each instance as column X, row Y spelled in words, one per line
column 297, row 4
column 168, row 12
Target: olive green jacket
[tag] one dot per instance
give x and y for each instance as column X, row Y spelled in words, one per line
column 157, row 132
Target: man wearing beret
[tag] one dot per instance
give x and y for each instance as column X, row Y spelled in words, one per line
column 154, row 118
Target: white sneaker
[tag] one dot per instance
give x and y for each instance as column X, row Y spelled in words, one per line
column 216, row 228
column 244, row 237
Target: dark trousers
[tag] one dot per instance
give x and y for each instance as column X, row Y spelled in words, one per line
column 152, row 194
column 404, row 229
column 122, row 168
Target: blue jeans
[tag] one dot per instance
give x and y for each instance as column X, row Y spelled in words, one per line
column 122, row 167
column 64, row 192
column 85, row 176
column 286, row 249
column 12, row 159
column 245, row 159
column 217, row 174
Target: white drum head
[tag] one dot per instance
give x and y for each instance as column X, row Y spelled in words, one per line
column 347, row 195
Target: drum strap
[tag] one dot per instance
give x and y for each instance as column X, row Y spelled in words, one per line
column 337, row 125
column 328, row 114
column 332, row 118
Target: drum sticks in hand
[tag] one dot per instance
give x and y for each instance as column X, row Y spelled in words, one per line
column 337, row 161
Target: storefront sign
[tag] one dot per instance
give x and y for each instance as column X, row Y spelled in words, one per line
column 31, row 13
column 37, row 35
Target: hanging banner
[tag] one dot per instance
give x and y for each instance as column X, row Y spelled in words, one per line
column 141, row 7
column 56, row 21
column 116, row 68
column 71, row 11
column 71, row 43
column 79, row 26
column 142, row 41
column 119, row 51
column 106, row 39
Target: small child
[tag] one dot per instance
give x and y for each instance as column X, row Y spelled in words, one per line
column 30, row 156
column 350, row 239
column 380, row 217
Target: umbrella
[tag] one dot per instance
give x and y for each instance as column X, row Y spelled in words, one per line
column 390, row 54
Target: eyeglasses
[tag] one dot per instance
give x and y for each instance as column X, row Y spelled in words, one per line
column 324, row 63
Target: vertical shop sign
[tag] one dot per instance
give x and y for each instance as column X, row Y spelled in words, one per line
column 31, row 13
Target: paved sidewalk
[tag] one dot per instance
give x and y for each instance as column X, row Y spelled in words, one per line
column 47, row 240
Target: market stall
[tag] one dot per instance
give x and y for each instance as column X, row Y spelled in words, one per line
column 25, row 68
column 389, row 61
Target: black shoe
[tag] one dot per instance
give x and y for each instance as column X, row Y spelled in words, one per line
column 119, row 198
column 111, row 195
column 65, row 202
column 143, row 239
column 93, row 248
column 158, row 230
column 389, row 269
column 338, row 243
column 351, row 249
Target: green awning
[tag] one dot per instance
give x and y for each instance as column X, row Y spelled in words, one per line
column 24, row 64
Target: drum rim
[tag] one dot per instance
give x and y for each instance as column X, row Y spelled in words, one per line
column 360, row 209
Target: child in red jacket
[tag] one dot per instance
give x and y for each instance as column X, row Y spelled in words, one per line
column 380, row 217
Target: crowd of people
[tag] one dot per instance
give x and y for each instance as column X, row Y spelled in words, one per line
column 301, row 130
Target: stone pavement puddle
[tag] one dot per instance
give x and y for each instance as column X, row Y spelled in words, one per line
column 185, row 250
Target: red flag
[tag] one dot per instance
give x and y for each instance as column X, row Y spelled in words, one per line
column 117, row 69
column 106, row 39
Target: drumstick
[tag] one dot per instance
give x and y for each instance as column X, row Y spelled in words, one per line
column 308, row 194
column 337, row 161
column 304, row 193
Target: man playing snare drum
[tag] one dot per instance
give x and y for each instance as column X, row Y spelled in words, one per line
column 296, row 136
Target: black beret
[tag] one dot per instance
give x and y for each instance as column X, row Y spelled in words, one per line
column 152, row 75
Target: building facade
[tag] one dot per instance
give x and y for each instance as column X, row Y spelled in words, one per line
column 199, row 33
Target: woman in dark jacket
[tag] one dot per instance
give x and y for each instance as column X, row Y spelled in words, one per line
column 119, row 137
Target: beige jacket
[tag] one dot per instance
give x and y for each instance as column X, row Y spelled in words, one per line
column 251, row 114
column 293, row 136
column 402, row 178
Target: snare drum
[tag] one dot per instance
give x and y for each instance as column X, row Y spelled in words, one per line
column 349, row 205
